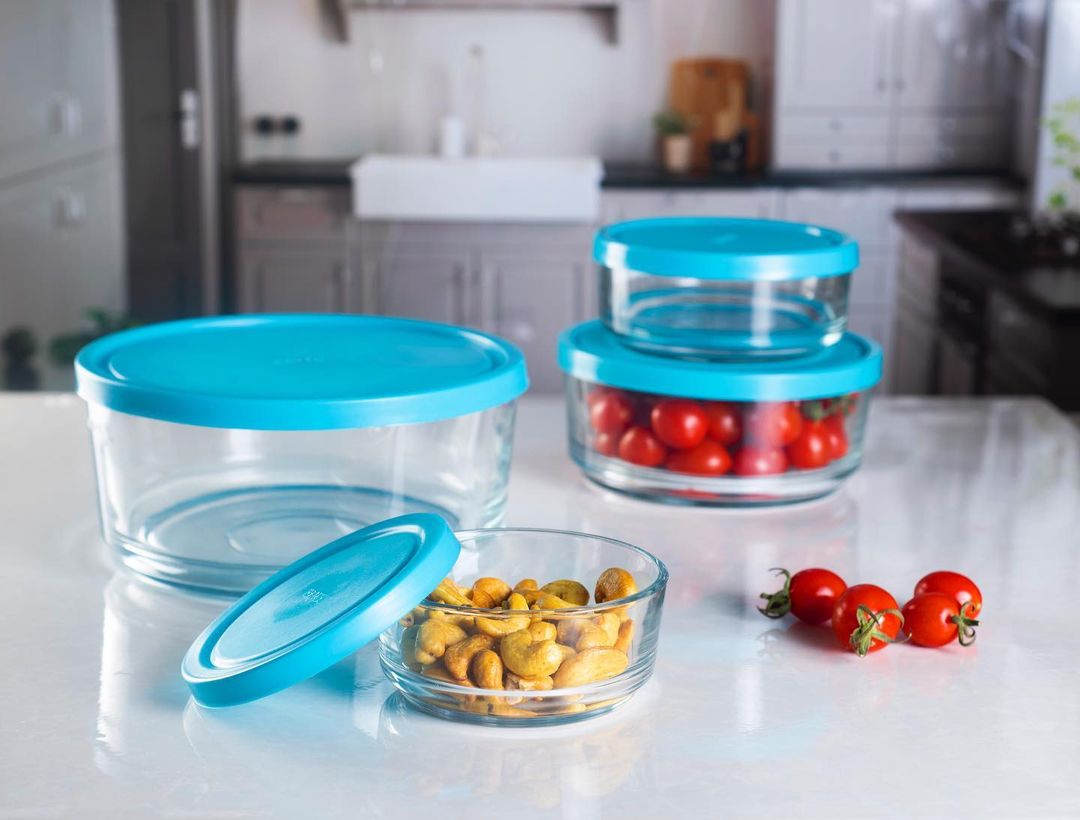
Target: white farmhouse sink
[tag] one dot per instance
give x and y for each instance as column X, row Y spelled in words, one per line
column 477, row 189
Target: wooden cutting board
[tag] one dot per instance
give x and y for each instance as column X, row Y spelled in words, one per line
column 702, row 88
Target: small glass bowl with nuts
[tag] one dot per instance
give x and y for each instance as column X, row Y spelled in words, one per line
column 532, row 627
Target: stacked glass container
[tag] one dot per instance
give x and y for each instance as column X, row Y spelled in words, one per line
column 720, row 371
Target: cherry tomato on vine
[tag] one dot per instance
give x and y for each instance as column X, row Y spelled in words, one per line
column 679, row 422
column 811, row 449
column 753, row 460
column 707, row 458
column 836, row 436
column 639, row 446
column 725, row 423
column 606, row 444
column 776, row 424
column 960, row 587
column 935, row 619
column 866, row 618
column 610, row 411
column 809, row 595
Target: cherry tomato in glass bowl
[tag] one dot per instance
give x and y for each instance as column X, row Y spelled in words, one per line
column 707, row 458
column 960, row 587
column 810, row 450
column 810, row 595
column 935, row 619
column 772, row 424
column 866, row 618
column 610, row 411
column 606, row 444
column 725, row 422
column 679, row 423
column 754, row 460
column 836, row 436
column 641, row 447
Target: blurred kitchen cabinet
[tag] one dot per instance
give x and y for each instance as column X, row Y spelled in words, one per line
column 422, row 284
column 618, row 206
column 292, row 213
column 914, row 338
column 529, row 299
column 63, row 248
column 58, row 61
column 284, row 281
column 865, row 213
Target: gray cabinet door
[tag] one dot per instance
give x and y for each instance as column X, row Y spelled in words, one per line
column 529, row 300
column 279, row 281
column 63, row 248
column 422, row 284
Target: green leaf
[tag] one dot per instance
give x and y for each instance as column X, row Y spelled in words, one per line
column 1058, row 201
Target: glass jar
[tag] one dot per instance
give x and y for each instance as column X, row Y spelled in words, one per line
column 712, row 433
column 724, row 288
column 227, row 447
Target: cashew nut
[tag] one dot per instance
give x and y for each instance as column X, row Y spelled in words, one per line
column 542, row 683
column 460, row 655
column 487, row 670
column 545, row 600
column 568, row 590
column 589, row 666
column 524, row 657
column 567, row 651
column 447, row 592
column 436, row 671
column 497, row 627
column 464, row 621
column 613, row 584
column 592, row 635
column 434, row 637
column 626, row 636
column 408, row 648
column 609, row 622
column 542, row 631
column 494, row 589
column 525, row 584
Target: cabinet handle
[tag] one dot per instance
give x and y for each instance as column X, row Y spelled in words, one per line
column 188, row 119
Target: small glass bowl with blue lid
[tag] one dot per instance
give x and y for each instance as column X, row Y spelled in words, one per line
column 226, row 447
column 493, row 626
column 695, row 431
column 724, row 288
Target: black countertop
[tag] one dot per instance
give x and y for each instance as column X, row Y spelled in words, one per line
column 985, row 247
column 628, row 176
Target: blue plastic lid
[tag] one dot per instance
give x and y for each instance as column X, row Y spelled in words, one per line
column 299, row 372
column 319, row 610
column 593, row 353
column 722, row 248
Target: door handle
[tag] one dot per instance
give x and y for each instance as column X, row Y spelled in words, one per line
column 188, row 119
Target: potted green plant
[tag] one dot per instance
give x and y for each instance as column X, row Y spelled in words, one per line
column 676, row 147
column 1063, row 125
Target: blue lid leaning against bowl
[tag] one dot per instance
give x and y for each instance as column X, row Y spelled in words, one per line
column 726, row 249
column 299, row 371
column 319, row 610
column 593, row 353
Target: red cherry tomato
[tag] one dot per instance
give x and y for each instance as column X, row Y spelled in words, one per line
column 866, row 618
column 773, row 424
column 809, row 595
column 606, row 444
column 707, row 458
column 811, row 449
column 725, row 424
column 760, row 461
column 836, row 436
column 960, row 587
column 679, row 422
column 639, row 446
column 935, row 619
column 609, row 411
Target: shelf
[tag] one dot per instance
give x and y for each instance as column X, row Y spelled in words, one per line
column 336, row 12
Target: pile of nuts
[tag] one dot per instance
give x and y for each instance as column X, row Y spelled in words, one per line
column 525, row 646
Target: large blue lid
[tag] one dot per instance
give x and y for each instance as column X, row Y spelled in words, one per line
column 593, row 353
column 299, row 371
column 319, row 610
column 722, row 248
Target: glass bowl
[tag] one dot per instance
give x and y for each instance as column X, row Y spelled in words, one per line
column 591, row 678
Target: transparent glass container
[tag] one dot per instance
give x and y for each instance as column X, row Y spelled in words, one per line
column 223, row 509
column 750, row 452
column 544, row 556
column 724, row 288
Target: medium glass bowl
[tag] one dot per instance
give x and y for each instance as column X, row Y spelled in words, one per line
column 543, row 555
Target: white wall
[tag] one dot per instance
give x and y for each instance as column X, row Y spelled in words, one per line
column 553, row 83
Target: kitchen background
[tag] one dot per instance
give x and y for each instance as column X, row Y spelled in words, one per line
column 451, row 159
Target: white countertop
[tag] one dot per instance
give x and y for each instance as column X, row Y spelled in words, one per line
column 744, row 717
